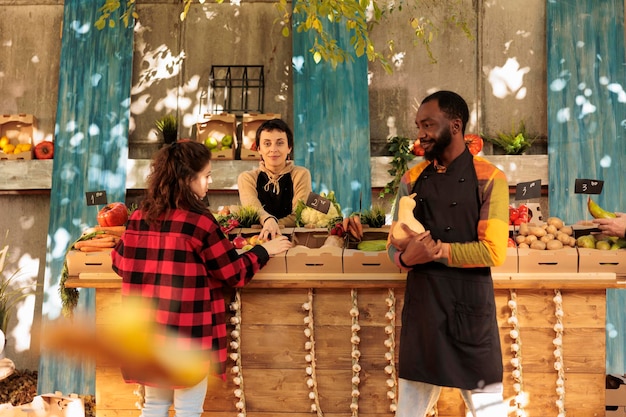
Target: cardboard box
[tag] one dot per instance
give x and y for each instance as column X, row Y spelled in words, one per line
column 18, row 128
column 364, row 262
column 54, row 405
column 533, row 260
column 218, row 126
column 250, row 124
column 277, row 263
column 510, row 264
column 615, row 411
column 310, row 256
column 88, row 262
column 616, row 397
column 595, row 260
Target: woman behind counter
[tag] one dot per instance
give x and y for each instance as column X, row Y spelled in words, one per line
column 275, row 187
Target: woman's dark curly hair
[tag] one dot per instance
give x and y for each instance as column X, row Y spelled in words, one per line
column 172, row 170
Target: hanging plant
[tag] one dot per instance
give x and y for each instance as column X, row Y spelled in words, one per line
column 401, row 150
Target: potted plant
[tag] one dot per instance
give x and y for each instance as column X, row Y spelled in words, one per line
column 515, row 142
column 168, row 126
column 10, row 295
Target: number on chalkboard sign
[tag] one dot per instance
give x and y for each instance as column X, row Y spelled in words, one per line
column 319, row 203
column 588, row 186
column 528, row 190
column 96, row 198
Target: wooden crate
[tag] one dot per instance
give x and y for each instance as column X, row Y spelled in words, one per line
column 18, row 128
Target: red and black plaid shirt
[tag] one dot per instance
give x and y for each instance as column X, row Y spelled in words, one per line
column 181, row 263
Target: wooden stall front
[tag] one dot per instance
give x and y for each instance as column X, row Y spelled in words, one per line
column 279, row 375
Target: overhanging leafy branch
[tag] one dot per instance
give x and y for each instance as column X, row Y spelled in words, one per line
column 358, row 16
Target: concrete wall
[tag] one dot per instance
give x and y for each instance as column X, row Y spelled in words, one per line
column 500, row 71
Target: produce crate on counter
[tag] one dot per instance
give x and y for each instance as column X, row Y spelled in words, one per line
column 547, row 261
column 277, row 263
column 18, row 129
column 218, row 127
column 595, row 260
column 310, row 254
column 250, row 124
column 89, row 262
column 510, row 264
column 362, row 261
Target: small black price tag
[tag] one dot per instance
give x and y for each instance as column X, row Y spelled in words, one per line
column 528, row 190
column 587, row 186
column 319, row 203
column 96, row 198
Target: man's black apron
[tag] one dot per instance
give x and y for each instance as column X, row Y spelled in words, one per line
column 449, row 331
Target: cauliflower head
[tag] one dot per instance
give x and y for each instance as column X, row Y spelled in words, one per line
column 310, row 216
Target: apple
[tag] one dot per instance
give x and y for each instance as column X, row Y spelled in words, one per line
column 210, row 142
column 227, row 141
column 44, row 150
column 239, row 241
column 113, row 214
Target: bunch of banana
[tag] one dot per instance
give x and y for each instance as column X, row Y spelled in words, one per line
column 598, row 212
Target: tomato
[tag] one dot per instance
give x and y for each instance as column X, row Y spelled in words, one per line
column 417, row 148
column 474, row 143
column 513, row 214
column 113, row 214
column 511, row 243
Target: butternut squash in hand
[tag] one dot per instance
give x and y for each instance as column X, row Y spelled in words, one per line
column 406, row 205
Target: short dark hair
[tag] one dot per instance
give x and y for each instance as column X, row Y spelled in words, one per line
column 452, row 104
column 274, row 124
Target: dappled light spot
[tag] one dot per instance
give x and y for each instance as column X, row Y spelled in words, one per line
column 563, row 115
column 508, row 80
column 94, row 129
column 298, row 63
column 80, row 29
column 76, row 139
column 605, row 162
column 95, row 79
column 398, row 59
column 619, row 90
column 159, row 64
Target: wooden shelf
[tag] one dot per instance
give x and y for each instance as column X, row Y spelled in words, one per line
column 37, row 174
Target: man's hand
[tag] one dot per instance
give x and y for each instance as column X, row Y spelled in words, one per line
column 401, row 244
column 417, row 248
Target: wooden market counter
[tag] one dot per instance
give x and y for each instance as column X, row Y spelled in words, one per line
column 273, row 354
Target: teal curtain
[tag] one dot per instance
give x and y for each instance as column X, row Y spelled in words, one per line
column 587, row 124
column 331, row 120
column 91, row 152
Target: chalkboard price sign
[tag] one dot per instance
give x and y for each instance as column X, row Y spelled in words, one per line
column 587, row 186
column 96, row 198
column 319, row 203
